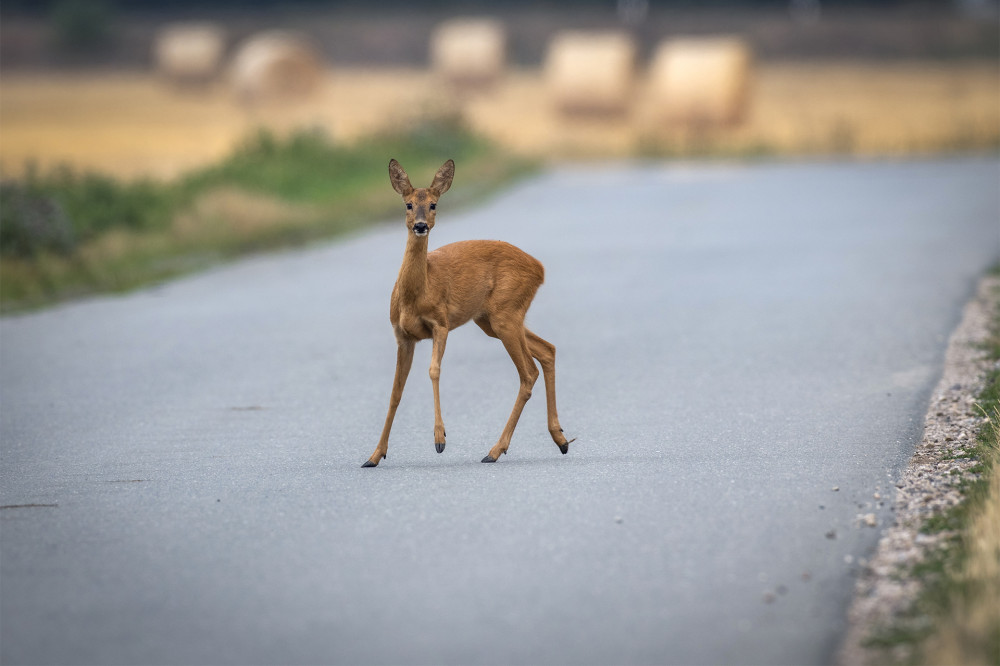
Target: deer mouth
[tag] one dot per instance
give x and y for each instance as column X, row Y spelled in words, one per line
column 421, row 229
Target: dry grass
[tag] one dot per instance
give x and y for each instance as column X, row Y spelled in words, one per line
column 230, row 211
column 133, row 124
column 884, row 109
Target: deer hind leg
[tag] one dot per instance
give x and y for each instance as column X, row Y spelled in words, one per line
column 440, row 337
column 545, row 352
column 404, row 358
column 512, row 337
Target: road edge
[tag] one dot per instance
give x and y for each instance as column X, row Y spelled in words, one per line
column 887, row 587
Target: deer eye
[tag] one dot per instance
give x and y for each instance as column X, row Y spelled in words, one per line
column 434, row 206
column 409, row 206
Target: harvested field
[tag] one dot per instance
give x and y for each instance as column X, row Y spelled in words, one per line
column 794, row 109
column 134, row 125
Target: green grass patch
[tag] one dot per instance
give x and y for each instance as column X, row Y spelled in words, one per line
column 67, row 233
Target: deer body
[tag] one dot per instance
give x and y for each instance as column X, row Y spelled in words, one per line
column 458, row 283
column 489, row 282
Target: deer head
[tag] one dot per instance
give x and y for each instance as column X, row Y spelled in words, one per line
column 421, row 202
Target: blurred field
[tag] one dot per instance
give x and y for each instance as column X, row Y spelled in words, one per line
column 135, row 124
column 132, row 124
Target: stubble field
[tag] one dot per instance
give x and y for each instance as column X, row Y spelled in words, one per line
column 134, row 124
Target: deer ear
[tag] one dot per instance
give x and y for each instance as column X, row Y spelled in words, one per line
column 400, row 181
column 443, row 178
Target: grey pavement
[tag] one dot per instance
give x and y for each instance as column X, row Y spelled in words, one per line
column 180, row 466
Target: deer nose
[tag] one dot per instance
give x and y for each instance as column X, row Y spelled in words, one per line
column 420, row 228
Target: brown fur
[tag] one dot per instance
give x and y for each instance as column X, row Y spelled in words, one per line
column 489, row 282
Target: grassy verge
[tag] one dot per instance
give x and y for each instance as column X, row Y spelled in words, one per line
column 967, row 630
column 956, row 618
column 65, row 233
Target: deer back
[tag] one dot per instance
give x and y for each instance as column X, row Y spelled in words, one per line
column 475, row 278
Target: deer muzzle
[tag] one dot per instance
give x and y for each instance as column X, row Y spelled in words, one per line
column 421, row 229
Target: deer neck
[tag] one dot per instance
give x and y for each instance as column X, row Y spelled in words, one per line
column 412, row 281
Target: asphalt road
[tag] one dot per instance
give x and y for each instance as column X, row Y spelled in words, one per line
column 181, row 473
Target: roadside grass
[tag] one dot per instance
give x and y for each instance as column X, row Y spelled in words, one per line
column 968, row 631
column 66, row 233
column 956, row 618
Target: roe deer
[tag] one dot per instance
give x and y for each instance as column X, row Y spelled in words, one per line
column 489, row 282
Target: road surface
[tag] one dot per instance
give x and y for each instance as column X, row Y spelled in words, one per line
column 744, row 354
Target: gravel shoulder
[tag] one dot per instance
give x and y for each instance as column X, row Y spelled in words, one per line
column 929, row 485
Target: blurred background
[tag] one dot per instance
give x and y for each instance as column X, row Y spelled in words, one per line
column 233, row 126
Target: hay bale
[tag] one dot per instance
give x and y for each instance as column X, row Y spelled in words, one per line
column 189, row 53
column 702, row 81
column 591, row 72
column 469, row 52
column 275, row 65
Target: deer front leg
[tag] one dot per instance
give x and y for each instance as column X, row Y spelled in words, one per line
column 440, row 337
column 404, row 358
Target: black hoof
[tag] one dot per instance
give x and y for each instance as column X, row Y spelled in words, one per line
column 489, row 459
column 439, row 446
column 369, row 463
column 564, row 448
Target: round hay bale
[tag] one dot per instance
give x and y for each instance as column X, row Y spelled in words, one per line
column 591, row 72
column 189, row 53
column 702, row 81
column 275, row 65
column 469, row 52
